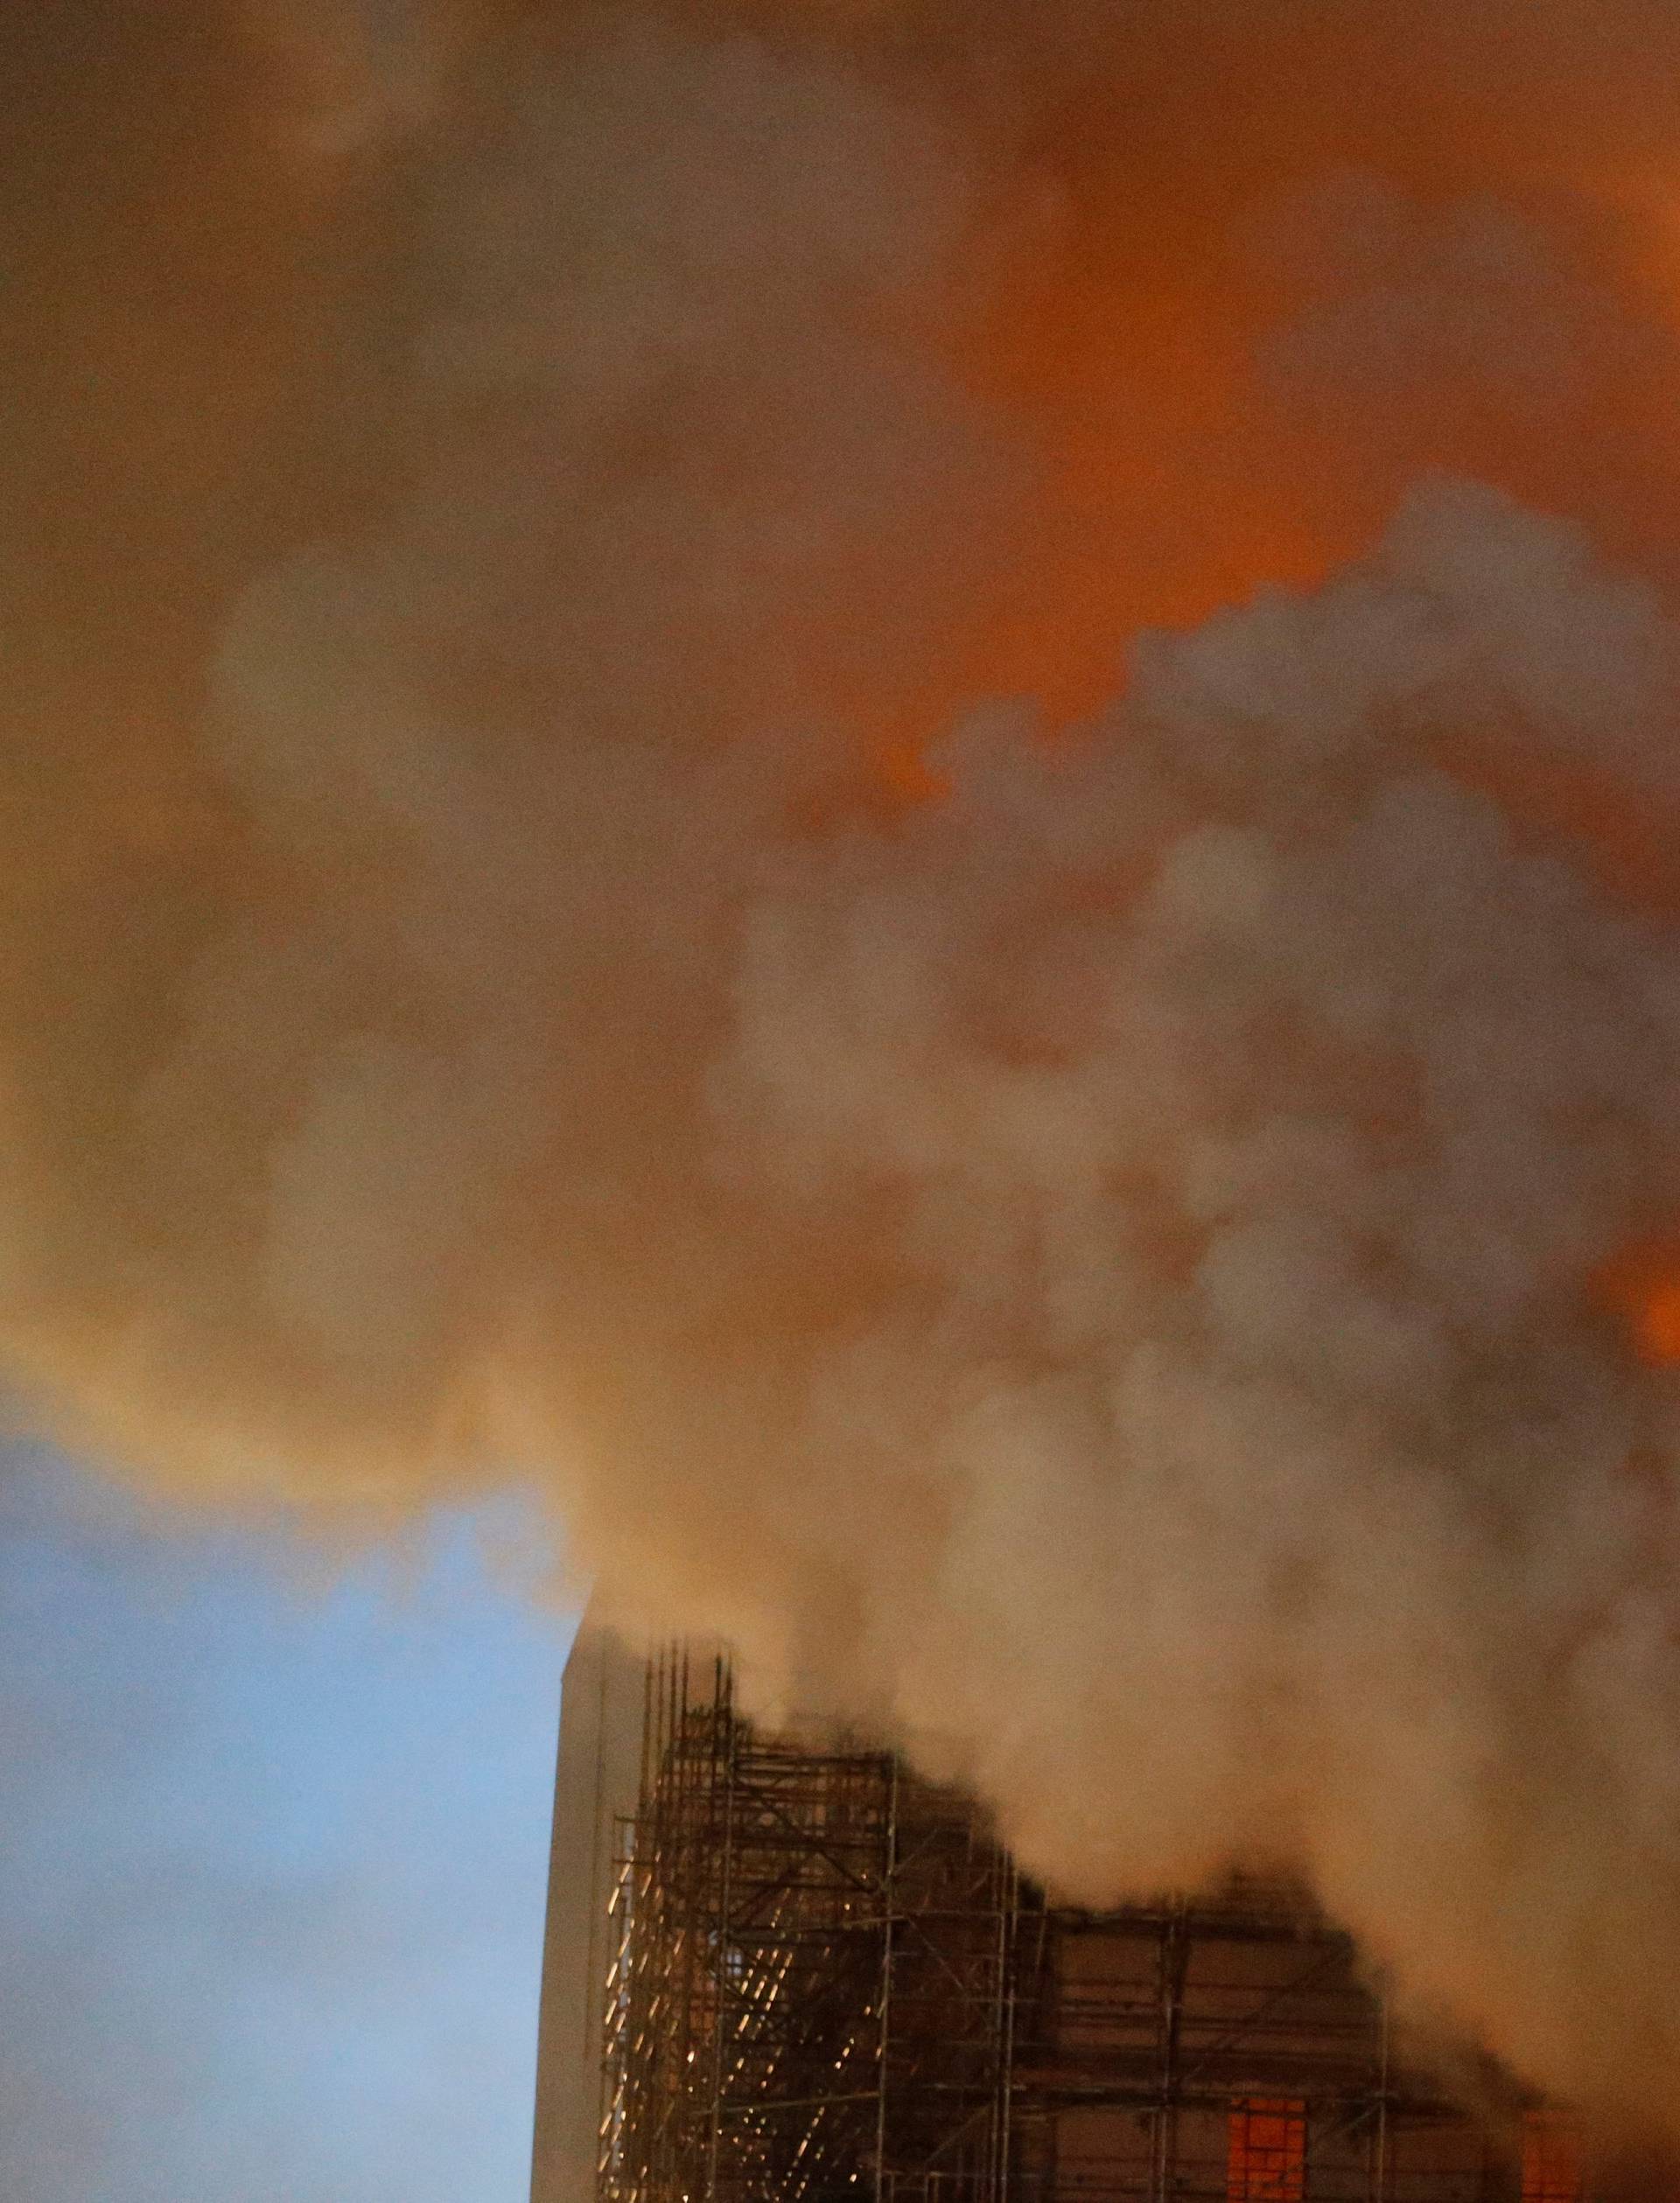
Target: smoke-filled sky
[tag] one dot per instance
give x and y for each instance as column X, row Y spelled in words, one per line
column 890, row 789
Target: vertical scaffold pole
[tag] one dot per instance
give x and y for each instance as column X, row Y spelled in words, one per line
column 722, row 1744
column 889, row 1886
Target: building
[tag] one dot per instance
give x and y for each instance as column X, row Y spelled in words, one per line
column 597, row 1780
column 783, row 1969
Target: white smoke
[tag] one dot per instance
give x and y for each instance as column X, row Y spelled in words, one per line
column 1254, row 1467
column 1112, row 1271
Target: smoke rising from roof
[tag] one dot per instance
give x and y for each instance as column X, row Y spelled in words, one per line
column 899, row 787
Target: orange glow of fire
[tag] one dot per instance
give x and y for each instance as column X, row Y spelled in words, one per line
column 1107, row 326
column 1120, row 365
column 907, row 778
column 1657, row 1327
column 1641, row 1286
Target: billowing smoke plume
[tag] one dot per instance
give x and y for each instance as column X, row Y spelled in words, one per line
column 899, row 787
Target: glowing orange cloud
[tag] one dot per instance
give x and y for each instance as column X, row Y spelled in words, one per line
column 1111, row 310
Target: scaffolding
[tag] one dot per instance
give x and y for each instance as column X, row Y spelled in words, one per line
column 830, row 1983
column 811, row 1991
